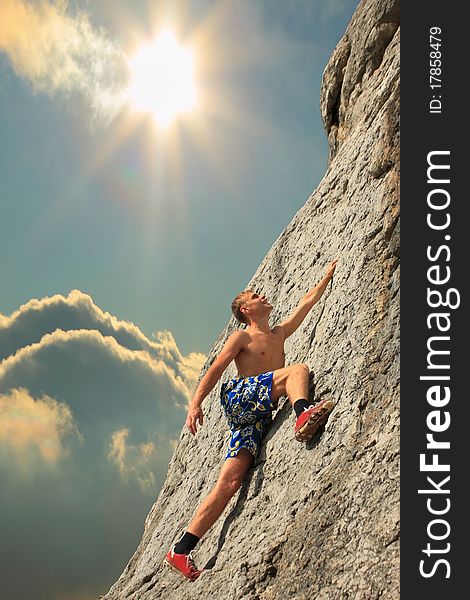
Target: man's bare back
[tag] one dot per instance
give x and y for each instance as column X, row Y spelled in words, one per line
column 261, row 352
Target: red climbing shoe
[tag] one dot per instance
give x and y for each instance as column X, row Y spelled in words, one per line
column 183, row 564
column 311, row 419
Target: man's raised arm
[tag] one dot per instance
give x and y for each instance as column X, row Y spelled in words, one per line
column 310, row 298
column 231, row 348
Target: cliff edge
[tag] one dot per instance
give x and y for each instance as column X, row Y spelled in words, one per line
column 319, row 520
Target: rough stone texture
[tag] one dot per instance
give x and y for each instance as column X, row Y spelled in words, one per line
column 319, row 520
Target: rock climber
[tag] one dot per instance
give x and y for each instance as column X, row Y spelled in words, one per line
column 248, row 402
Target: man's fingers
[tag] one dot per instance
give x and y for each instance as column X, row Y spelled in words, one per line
column 193, row 418
column 332, row 266
column 190, row 425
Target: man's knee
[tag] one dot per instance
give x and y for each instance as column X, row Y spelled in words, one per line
column 230, row 484
column 300, row 369
column 234, row 484
column 233, row 472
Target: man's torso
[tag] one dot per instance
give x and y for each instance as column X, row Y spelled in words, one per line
column 262, row 352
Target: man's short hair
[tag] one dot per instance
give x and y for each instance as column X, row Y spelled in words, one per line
column 236, row 306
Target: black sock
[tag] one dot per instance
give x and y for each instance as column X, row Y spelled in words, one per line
column 186, row 544
column 299, row 406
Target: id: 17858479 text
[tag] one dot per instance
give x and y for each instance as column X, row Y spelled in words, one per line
column 435, row 69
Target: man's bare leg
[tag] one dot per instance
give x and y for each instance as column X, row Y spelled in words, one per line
column 230, row 479
column 291, row 381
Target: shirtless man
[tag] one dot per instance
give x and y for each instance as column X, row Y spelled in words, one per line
column 248, row 402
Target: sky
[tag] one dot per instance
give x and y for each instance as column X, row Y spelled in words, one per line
column 123, row 241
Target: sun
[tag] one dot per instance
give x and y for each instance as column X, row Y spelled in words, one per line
column 162, row 79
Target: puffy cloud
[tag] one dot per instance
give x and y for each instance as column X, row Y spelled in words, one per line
column 90, row 409
column 77, row 311
column 39, row 426
column 25, row 361
column 60, row 53
column 132, row 461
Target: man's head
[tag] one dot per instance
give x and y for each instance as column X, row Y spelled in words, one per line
column 249, row 306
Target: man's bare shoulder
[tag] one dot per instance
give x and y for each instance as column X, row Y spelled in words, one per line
column 240, row 336
column 236, row 342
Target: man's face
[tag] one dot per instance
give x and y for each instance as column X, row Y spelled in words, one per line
column 257, row 304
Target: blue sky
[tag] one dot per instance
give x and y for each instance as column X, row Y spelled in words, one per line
column 155, row 230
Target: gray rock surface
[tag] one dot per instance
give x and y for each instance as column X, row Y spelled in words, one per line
column 319, row 520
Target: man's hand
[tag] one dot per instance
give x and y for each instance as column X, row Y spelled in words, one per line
column 331, row 269
column 194, row 416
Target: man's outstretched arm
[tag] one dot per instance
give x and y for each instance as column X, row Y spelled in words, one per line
column 310, row 298
column 232, row 347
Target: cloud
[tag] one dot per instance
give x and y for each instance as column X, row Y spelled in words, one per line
column 90, row 409
column 132, row 461
column 62, row 54
column 39, row 426
column 77, row 311
column 109, row 388
column 85, row 347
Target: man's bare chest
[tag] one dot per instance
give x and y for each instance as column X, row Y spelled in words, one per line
column 264, row 347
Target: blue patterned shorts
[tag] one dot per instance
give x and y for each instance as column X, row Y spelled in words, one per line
column 248, row 407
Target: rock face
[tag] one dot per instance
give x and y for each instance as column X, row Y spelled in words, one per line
column 315, row 521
